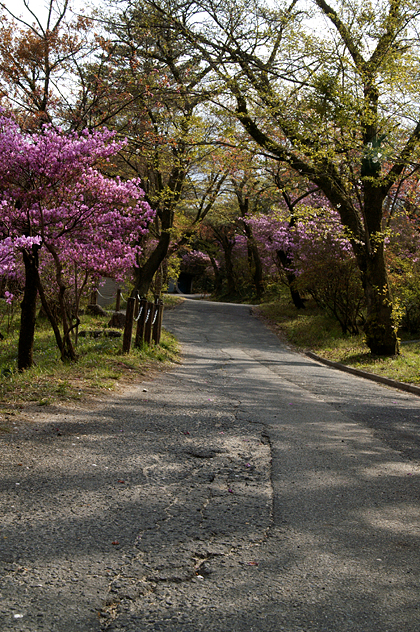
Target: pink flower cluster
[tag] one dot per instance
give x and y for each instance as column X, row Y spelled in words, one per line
column 195, row 258
column 318, row 234
column 53, row 196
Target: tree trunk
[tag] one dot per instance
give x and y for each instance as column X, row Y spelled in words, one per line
column 28, row 311
column 67, row 352
column 255, row 264
column 145, row 274
column 218, row 279
column 379, row 328
column 67, row 349
column 258, row 271
column 227, row 245
column 286, row 263
column 50, row 315
column 284, row 259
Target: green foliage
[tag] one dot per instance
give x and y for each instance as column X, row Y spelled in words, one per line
column 311, row 328
column 404, row 271
column 336, row 287
column 406, row 288
column 100, row 367
column 315, row 331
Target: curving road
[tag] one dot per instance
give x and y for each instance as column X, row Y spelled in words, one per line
column 248, row 489
column 342, row 552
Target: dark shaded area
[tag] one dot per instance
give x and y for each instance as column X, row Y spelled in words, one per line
column 185, row 282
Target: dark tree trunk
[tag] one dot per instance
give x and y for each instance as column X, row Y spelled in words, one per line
column 165, row 217
column 28, row 311
column 227, row 245
column 286, row 263
column 254, row 259
column 218, row 279
column 379, row 327
column 50, row 315
column 146, row 272
column 258, row 271
column 66, row 349
column 256, row 268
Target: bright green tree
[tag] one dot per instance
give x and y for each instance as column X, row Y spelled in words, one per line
column 331, row 91
column 148, row 85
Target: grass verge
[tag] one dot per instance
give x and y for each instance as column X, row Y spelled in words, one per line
column 312, row 330
column 101, row 367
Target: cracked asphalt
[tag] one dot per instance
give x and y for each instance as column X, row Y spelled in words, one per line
column 249, row 488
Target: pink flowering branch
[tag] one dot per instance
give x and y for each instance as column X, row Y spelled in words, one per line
column 57, row 206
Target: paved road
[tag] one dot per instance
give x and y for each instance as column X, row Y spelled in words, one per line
column 248, row 489
column 342, row 551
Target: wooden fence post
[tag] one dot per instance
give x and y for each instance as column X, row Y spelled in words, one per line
column 149, row 323
column 118, row 301
column 128, row 329
column 141, row 319
column 157, row 327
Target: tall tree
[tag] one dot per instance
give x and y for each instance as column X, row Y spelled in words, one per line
column 38, row 58
column 147, row 84
column 332, row 102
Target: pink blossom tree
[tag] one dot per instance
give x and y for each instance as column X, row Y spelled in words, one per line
column 58, row 208
column 317, row 256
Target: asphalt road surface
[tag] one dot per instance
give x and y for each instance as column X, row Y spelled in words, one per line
column 249, row 488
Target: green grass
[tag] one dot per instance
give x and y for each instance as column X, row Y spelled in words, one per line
column 101, row 366
column 172, row 300
column 312, row 330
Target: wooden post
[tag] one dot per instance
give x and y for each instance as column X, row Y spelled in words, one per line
column 118, row 301
column 94, row 298
column 141, row 319
column 128, row 329
column 157, row 327
column 160, row 320
column 149, row 323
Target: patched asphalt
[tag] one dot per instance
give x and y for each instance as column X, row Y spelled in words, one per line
column 249, row 488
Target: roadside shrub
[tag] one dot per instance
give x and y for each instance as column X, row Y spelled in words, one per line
column 404, row 270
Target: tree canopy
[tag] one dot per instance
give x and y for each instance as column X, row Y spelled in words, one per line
column 245, row 106
column 329, row 91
